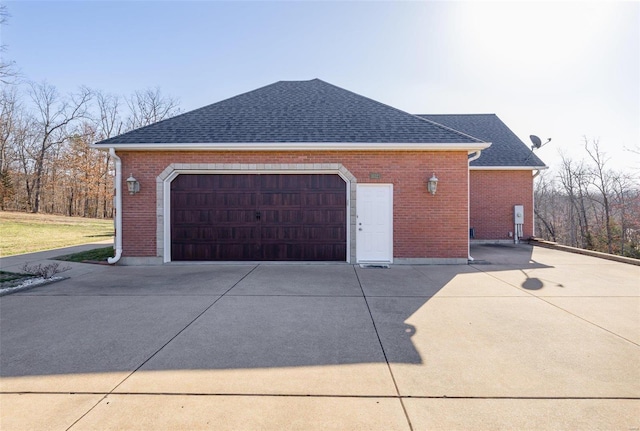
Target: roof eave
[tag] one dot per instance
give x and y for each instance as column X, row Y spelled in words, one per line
column 508, row 168
column 299, row 146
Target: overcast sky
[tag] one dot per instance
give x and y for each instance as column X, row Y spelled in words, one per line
column 560, row 70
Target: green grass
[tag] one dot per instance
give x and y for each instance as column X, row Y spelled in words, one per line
column 11, row 276
column 12, row 279
column 98, row 254
column 26, row 233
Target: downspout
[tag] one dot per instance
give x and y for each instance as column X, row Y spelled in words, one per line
column 533, row 203
column 475, row 156
column 118, row 207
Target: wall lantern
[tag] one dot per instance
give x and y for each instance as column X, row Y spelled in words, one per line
column 432, row 184
column 133, row 185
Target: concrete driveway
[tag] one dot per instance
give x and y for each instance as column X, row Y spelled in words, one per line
column 525, row 338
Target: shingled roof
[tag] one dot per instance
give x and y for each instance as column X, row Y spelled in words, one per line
column 293, row 112
column 507, row 150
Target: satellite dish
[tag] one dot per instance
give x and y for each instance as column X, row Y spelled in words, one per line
column 537, row 143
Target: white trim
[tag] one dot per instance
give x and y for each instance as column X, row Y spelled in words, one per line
column 172, row 172
column 166, row 208
column 300, row 146
column 507, row 168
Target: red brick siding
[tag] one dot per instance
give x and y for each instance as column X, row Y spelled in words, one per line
column 492, row 197
column 424, row 226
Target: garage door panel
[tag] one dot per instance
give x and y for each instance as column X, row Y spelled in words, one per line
column 324, row 199
column 282, row 251
column 322, row 251
column 276, row 198
column 280, row 216
column 211, row 251
column 233, row 216
column 326, row 234
column 258, row 217
column 323, row 217
column 281, row 233
column 233, row 199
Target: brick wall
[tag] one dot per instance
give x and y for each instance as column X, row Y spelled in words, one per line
column 424, row 226
column 492, row 197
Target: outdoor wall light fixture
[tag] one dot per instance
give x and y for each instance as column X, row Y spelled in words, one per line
column 432, row 184
column 133, row 185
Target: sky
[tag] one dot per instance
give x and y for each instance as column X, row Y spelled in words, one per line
column 560, row 70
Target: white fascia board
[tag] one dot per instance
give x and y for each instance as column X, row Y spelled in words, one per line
column 305, row 146
column 507, row 168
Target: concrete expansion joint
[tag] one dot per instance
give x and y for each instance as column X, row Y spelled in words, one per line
column 346, row 396
column 384, row 353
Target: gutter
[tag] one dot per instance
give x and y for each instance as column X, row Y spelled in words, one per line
column 507, row 168
column 118, row 208
column 299, row 146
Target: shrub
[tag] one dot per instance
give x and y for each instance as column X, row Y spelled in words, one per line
column 46, row 271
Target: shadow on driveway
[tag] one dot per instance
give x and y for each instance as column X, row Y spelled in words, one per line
column 223, row 317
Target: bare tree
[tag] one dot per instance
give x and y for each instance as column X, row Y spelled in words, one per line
column 7, row 69
column 46, row 162
column 150, row 106
column 109, row 124
column 601, row 179
column 592, row 206
column 53, row 115
column 546, row 207
column 9, row 124
column 24, row 144
column 575, row 179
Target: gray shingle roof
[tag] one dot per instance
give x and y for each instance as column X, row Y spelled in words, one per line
column 506, row 148
column 293, row 111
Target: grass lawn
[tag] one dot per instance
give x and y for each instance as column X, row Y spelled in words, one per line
column 25, row 233
column 97, row 255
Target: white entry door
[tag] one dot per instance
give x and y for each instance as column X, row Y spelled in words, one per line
column 374, row 223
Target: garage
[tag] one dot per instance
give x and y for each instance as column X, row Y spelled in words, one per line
column 258, row 217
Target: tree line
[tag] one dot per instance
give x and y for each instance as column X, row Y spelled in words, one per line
column 46, row 164
column 586, row 204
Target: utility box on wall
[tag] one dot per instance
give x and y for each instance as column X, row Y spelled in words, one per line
column 518, row 214
column 518, row 218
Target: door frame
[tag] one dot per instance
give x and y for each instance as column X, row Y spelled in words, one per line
column 164, row 195
column 390, row 217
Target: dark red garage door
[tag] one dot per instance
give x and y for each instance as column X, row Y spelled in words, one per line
column 259, row 217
